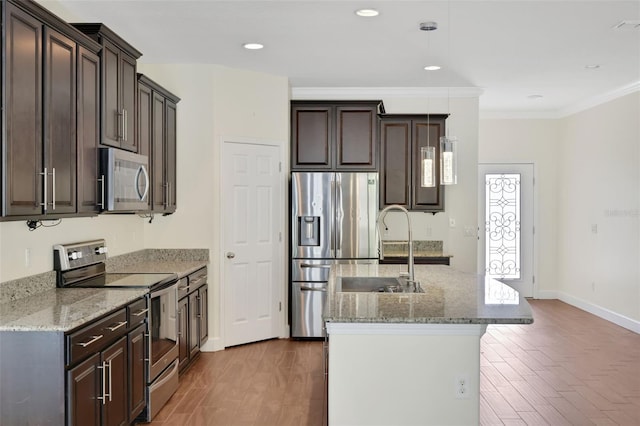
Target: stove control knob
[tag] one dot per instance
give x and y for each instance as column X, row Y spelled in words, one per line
column 101, row 250
column 73, row 255
column 79, row 254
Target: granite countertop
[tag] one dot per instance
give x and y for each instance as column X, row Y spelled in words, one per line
column 391, row 248
column 62, row 309
column 450, row 297
column 180, row 267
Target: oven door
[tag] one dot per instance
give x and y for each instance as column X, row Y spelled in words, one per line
column 163, row 329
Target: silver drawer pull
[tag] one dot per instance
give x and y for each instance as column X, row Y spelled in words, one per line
column 303, row 288
column 115, row 327
column 140, row 312
column 308, row 265
column 93, row 340
column 183, row 287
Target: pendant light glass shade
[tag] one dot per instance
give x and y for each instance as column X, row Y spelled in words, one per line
column 448, row 160
column 428, row 166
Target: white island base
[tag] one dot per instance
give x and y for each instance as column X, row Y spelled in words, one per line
column 404, row 374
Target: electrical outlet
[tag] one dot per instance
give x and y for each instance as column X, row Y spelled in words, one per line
column 27, row 257
column 452, row 222
column 594, row 228
column 461, row 386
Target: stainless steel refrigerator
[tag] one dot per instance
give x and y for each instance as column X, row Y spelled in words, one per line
column 333, row 219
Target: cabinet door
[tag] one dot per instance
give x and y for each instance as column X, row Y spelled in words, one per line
column 204, row 313
column 137, row 376
column 194, row 324
column 395, row 170
column 183, row 332
column 145, row 120
column 158, row 173
column 114, row 411
column 356, row 138
column 128, row 80
column 170, row 154
column 60, row 121
column 88, row 125
column 83, row 390
column 111, row 111
column 22, row 89
column 426, row 133
column 311, row 137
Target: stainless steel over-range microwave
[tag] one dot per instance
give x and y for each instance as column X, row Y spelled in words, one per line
column 124, row 180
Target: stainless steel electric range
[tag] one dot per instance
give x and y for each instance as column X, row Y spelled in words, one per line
column 83, row 265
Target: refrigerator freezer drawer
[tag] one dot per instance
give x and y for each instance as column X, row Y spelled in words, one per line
column 310, row 270
column 307, row 303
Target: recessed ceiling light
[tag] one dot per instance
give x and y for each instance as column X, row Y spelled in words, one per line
column 592, row 66
column 432, row 68
column 535, row 97
column 367, row 13
column 253, row 46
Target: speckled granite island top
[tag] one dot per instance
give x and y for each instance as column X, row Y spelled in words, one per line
column 62, row 309
column 450, row 297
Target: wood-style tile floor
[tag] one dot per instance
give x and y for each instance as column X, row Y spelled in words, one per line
column 568, row 368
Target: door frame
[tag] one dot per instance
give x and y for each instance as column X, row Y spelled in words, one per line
column 534, row 212
column 281, row 277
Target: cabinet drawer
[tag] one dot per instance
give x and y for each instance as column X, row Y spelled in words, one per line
column 137, row 312
column 197, row 279
column 183, row 287
column 96, row 336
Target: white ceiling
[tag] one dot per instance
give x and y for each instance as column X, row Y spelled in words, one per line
column 510, row 48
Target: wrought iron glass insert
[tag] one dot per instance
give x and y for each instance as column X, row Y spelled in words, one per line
column 502, row 225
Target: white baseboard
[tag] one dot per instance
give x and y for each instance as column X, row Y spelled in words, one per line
column 599, row 311
column 213, row 345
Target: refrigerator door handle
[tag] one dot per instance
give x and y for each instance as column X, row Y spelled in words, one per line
column 310, row 265
column 305, row 288
column 339, row 215
column 332, row 235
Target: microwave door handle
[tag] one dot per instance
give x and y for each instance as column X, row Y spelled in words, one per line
column 143, row 195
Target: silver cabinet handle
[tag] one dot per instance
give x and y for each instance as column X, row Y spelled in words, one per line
column 101, row 203
column 230, row 255
column 199, row 314
column 44, row 192
column 305, row 288
column 180, row 323
column 125, row 118
column 117, row 326
column 93, row 340
column 53, row 188
column 140, row 312
column 103, row 398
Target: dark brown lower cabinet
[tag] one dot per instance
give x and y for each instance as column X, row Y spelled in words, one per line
column 83, row 390
column 203, row 294
column 192, row 323
column 137, row 376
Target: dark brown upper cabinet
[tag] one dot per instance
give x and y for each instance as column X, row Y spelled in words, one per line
column 157, row 109
column 40, row 106
column 118, row 87
column 334, row 135
column 401, row 138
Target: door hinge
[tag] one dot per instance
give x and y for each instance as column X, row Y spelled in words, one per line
column 280, row 166
column 280, row 236
column 533, row 279
column 280, row 306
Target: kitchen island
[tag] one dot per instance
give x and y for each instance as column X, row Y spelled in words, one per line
column 412, row 358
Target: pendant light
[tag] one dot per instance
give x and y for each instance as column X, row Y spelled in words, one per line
column 428, row 153
column 448, row 144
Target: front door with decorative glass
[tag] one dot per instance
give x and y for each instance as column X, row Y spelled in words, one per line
column 506, row 223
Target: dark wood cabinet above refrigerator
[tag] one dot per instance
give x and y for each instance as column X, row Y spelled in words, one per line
column 334, row 135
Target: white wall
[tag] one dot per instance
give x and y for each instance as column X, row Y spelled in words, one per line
column 587, row 169
column 123, row 233
column 531, row 141
column 599, row 187
column 217, row 103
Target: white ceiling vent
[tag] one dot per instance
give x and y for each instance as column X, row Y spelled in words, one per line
column 627, row 26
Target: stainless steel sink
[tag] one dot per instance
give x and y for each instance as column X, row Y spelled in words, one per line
column 372, row 284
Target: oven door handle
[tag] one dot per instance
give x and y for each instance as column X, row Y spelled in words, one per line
column 142, row 194
column 171, row 287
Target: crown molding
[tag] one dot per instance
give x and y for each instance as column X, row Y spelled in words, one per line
column 600, row 99
column 518, row 115
column 374, row 93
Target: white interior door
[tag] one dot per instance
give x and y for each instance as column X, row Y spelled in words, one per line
column 253, row 211
column 506, row 223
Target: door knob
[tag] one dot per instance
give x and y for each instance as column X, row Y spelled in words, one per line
column 230, row 255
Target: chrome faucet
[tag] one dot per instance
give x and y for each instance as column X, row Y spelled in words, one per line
column 411, row 279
